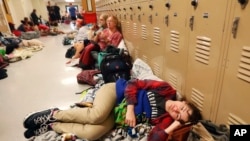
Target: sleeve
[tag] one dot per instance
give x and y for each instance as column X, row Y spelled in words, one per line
column 158, row 133
column 159, row 87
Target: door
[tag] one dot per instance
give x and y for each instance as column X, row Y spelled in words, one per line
column 206, row 27
column 4, row 27
column 7, row 11
column 176, row 48
column 234, row 101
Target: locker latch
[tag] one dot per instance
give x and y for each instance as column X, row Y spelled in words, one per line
column 139, row 18
column 235, row 26
column 191, row 23
column 150, row 19
column 166, row 20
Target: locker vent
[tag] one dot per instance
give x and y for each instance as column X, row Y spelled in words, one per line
column 156, row 69
column 144, row 32
column 156, row 35
column 197, row 98
column 202, row 52
column 174, row 41
column 244, row 67
column 128, row 28
column 235, row 120
column 173, row 80
column 145, row 58
column 135, row 29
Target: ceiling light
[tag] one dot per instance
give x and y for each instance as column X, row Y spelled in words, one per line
column 69, row 0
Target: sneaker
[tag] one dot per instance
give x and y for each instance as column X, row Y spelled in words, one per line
column 35, row 120
column 36, row 132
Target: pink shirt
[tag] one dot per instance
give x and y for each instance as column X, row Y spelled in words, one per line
column 113, row 39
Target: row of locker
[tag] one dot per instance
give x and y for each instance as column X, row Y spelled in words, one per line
column 201, row 47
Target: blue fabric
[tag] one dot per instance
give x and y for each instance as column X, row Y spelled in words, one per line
column 142, row 106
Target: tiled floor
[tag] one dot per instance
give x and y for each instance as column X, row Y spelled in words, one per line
column 37, row 83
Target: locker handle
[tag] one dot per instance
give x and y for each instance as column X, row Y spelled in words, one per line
column 166, row 20
column 235, row 26
column 139, row 17
column 150, row 19
column 191, row 23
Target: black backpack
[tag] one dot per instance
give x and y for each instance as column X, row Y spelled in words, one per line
column 115, row 66
column 66, row 41
column 70, row 52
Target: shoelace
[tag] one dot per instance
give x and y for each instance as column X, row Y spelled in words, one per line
column 42, row 119
column 44, row 128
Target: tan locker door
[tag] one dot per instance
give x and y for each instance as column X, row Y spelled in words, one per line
column 4, row 27
column 176, row 48
column 234, row 101
column 134, row 18
column 205, row 40
column 156, row 44
column 145, row 41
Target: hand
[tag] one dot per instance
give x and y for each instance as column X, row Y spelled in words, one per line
column 130, row 119
column 176, row 124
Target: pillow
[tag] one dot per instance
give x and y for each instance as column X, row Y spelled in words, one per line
column 122, row 45
column 142, row 70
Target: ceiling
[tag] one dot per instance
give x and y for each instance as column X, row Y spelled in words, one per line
column 64, row 0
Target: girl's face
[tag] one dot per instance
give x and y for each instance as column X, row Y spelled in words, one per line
column 178, row 110
column 111, row 23
column 102, row 21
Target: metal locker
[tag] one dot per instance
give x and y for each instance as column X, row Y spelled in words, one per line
column 235, row 91
column 4, row 27
column 206, row 24
column 176, row 48
column 152, row 41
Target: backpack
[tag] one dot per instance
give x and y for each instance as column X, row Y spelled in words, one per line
column 109, row 50
column 206, row 130
column 66, row 41
column 3, row 73
column 87, row 77
column 70, row 52
column 180, row 134
column 115, row 66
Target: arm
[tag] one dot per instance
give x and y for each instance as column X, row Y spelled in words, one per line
column 160, row 87
column 130, row 116
column 176, row 124
column 165, row 126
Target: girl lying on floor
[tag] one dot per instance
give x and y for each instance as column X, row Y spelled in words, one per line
column 165, row 112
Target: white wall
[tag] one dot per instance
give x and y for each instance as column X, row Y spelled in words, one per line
column 22, row 8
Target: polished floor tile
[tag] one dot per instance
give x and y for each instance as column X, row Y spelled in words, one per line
column 37, row 83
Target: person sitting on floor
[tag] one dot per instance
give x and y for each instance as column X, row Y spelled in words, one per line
column 94, row 30
column 93, row 122
column 110, row 36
